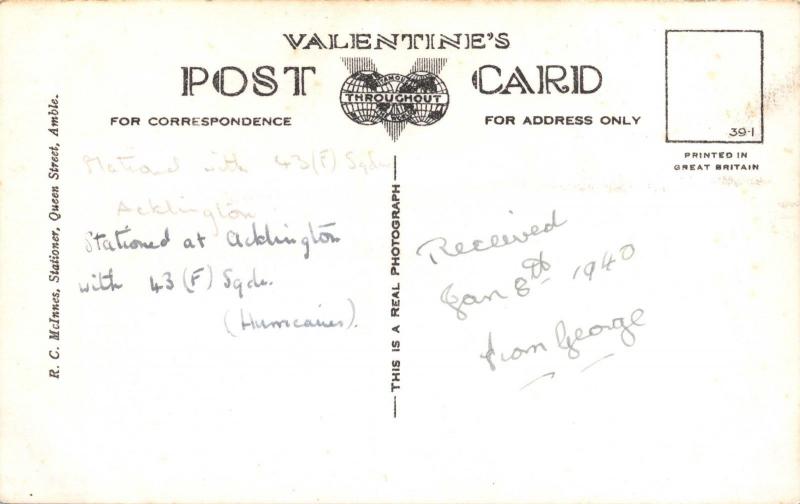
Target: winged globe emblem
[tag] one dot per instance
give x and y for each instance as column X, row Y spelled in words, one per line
column 394, row 100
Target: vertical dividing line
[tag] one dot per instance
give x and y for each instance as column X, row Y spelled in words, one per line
column 394, row 178
column 762, row 87
column 666, row 85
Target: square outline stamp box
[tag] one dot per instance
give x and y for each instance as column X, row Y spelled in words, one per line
column 666, row 88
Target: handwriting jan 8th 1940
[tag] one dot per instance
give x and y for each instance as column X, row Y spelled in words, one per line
column 537, row 271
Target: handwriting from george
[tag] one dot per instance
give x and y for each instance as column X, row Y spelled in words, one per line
column 568, row 339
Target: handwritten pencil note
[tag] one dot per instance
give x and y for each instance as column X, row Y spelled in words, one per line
column 372, row 252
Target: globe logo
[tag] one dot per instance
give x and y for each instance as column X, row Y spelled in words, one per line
column 418, row 98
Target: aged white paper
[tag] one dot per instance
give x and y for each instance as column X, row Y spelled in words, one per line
column 399, row 252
